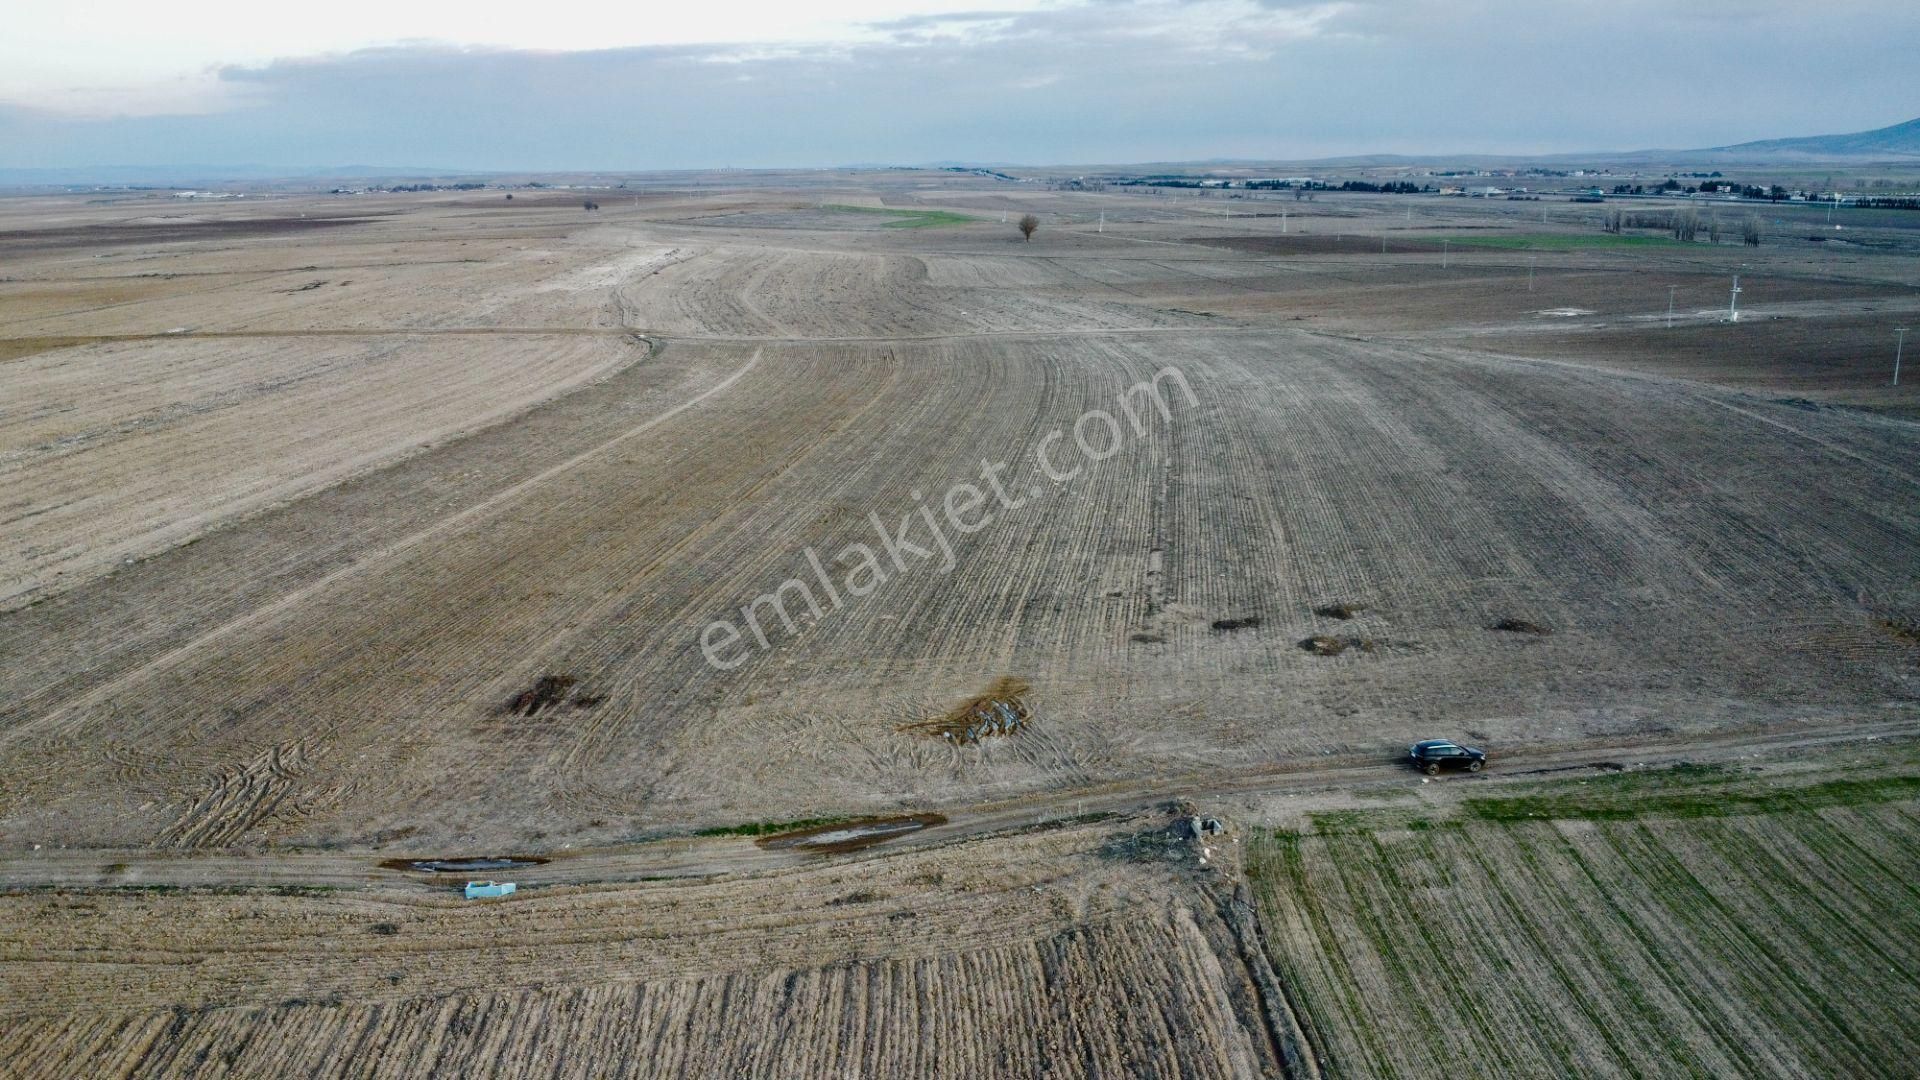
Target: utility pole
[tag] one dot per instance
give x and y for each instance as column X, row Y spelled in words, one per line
column 1283, row 222
column 1899, row 346
column 1532, row 261
column 1733, row 303
column 1670, row 289
column 1446, row 253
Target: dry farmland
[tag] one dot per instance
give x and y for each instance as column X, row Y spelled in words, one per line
column 337, row 531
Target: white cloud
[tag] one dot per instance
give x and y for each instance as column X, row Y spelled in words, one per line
column 1084, row 80
column 136, row 57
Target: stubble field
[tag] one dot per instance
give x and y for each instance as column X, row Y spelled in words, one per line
column 400, row 535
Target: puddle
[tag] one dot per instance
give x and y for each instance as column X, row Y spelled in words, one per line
column 849, row 835
column 463, row 866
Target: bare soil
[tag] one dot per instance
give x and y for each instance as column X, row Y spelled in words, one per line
column 302, row 528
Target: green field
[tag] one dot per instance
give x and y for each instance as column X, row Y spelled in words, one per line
column 1694, row 922
column 908, row 219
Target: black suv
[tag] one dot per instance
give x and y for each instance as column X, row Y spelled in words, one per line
column 1434, row 754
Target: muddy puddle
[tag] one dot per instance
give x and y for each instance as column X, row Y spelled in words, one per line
column 463, row 866
column 849, row 835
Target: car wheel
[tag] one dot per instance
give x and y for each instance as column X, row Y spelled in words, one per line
column 1433, row 768
column 1475, row 766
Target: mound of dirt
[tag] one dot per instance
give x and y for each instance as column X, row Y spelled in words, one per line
column 1328, row 645
column 546, row 692
column 1906, row 630
column 1227, row 626
column 1001, row 710
column 1339, row 611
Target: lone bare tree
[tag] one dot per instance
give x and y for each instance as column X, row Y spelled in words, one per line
column 1027, row 225
column 1686, row 224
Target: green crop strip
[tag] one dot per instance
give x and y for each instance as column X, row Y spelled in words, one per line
column 908, row 219
column 1605, row 803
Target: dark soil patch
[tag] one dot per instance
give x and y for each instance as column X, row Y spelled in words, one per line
column 1339, row 611
column 1228, row 626
column 1901, row 629
column 83, row 236
column 1145, row 638
column 1520, row 626
column 464, row 866
column 1316, row 244
column 546, row 692
column 1329, row 645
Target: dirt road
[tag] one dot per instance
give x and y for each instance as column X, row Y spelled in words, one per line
column 1329, row 782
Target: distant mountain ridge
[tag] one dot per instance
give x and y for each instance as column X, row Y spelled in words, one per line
column 1894, row 141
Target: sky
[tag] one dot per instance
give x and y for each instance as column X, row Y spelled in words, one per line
column 479, row 85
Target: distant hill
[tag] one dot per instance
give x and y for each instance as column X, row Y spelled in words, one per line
column 1897, row 141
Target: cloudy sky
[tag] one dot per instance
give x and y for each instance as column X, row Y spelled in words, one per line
column 484, row 85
